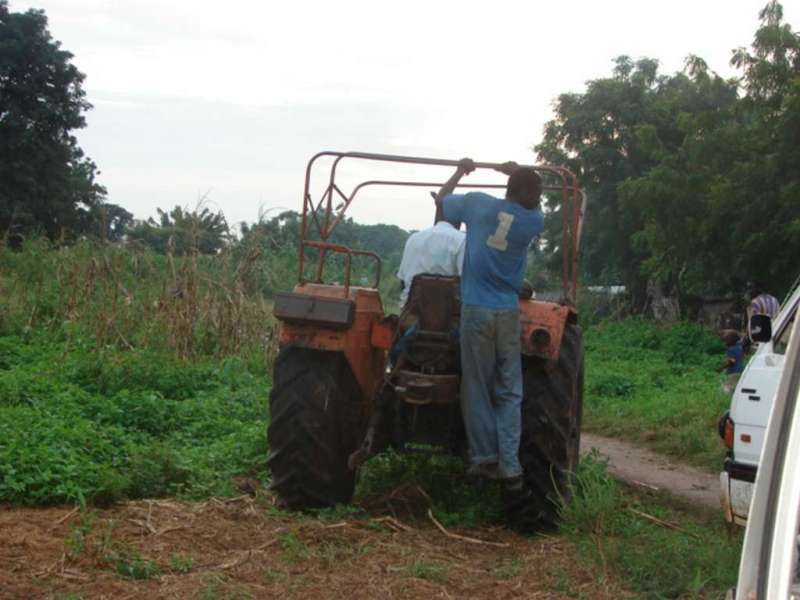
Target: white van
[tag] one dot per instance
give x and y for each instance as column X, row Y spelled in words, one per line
column 744, row 426
column 768, row 567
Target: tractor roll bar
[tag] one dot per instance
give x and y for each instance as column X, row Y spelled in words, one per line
column 397, row 183
column 348, row 259
column 566, row 183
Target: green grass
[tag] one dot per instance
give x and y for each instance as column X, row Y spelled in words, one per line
column 698, row 560
column 78, row 425
column 293, row 549
column 656, row 385
column 181, row 563
column 435, row 571
column 127, row 562
column 97, row 405
column 507, row 568
column 437, row 481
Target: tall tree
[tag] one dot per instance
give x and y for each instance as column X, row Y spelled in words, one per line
column 182, row 231
column 764, row 191
column 671, row 197
column 692, row 179
column 46, row 183
column 111, row 222
column 605, row 135
column 730, row 192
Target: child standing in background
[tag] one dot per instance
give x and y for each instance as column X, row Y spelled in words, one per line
column 734, row 360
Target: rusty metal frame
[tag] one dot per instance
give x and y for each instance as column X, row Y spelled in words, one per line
column 573, row 203
column 348, row 260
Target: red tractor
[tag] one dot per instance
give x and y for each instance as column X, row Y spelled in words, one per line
column 337, row 399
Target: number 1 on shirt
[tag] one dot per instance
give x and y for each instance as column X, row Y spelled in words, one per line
column 498, row 239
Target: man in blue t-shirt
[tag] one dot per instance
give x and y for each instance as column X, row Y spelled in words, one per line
column 499, row 232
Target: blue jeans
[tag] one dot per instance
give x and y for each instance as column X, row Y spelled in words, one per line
column 491, row 386
column 402, row 344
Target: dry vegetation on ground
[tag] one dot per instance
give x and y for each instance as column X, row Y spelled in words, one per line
column 242, row 548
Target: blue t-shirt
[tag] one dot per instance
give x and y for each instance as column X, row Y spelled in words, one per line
column 498, row 235
column 737, row 354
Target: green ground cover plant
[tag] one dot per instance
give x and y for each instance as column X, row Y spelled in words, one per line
column 656, row 385
column 78, row 425
column 434, row 481
column 127, row 375
column 118, row 379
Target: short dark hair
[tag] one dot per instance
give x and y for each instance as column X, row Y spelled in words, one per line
column 525, row 290
column 729, row 337
column 756, row 287
column 524, row 187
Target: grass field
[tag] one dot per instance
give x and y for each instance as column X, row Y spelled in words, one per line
column 126, row 375
column 618, row 530
column 80, row 425
column 659, row 386
column 660, row 547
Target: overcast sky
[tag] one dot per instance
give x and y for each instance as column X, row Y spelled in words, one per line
column 230, row 99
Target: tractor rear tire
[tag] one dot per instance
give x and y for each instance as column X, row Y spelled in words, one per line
column 316, row 422
column 552, row 409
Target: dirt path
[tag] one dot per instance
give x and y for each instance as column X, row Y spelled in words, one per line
column 641, row 467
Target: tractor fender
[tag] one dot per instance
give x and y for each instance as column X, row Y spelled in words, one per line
column 320, row 317
column 542, row 327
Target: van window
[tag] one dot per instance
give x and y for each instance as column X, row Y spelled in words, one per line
column 782, row 340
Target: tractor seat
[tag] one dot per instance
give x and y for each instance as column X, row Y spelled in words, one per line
column 430, row 364
column 434, row 303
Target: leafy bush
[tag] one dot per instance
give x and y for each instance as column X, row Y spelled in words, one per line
column 156, row 470
column 141, row 370
column 46, row 458
column 76, row 425
column 684, row 343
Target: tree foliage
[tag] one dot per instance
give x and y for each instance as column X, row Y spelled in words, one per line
column 46, row 183
column 181, row 231
column 282, row 233
column 692, row 179
column 621, row 128
column 111, row 222
column 278, row 238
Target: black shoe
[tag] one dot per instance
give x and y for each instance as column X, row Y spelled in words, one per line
column 483, row 471
column 515, row 493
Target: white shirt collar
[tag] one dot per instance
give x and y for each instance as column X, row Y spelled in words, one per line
column 446, row 225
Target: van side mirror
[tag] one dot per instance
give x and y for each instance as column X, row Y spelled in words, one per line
column 760, row 328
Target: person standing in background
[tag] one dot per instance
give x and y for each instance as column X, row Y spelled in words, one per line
column 734, row 360
column 761, row 303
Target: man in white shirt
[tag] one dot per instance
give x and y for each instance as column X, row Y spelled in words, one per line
column 438, row 250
